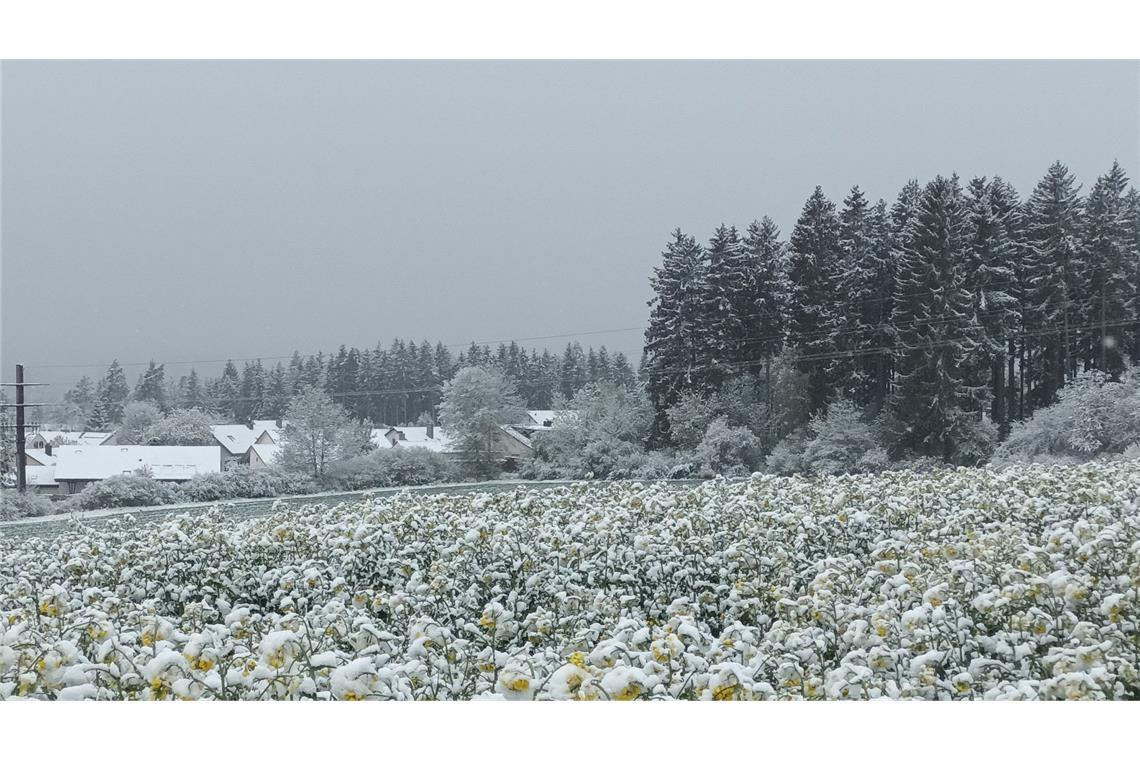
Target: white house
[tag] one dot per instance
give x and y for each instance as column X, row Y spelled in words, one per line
column 78, row 466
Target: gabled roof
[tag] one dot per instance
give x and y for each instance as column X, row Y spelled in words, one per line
column 516, row 435
column 540, row 416
column 546, row 418
column 415, row 436
column 236, row 439
column 164, row 462
column 38, row 458
column 267, row 452
column 79, row 438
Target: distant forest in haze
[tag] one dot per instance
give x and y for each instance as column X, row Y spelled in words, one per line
column 389, row 386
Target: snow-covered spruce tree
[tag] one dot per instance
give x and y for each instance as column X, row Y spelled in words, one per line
column 848, row 378
column 1110, row 285
column 676, row 341
column 937, row 407
column 729, row 303
column 151, row 386
column 764, row 330
column 251, row 392
column 227, row 394
column 1132, row 273
column 813, row 316
column 866, row 284
column 80, row 401
column 112, row 393
column 623, row 373
column 1019, row 348
column 192, row 394
column 1055, row 261
column 988, row 266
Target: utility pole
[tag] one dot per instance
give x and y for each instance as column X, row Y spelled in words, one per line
column 21, row 459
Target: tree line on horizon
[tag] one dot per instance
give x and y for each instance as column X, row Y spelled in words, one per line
column 388, row 386
column 946, row 315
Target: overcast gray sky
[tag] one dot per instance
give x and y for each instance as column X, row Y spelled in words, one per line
column 201, row 210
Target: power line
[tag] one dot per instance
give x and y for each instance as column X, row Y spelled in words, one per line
column 819, row 356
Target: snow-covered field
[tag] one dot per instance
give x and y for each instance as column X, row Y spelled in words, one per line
column 969, row 584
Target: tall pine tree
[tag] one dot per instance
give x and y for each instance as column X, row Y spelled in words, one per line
column 988, row 265
column 1055, row 261
column 813, row 314
column 676, row 339
column 940, row 396
column 1110, row 287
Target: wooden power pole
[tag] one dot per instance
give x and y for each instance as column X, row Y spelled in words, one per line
column 21, row 459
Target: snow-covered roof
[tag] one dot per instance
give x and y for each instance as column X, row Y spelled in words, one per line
column 40, row 476
column 79, row 438
column 416, row 436
column 541, row 416
column 38, row 458
column 516, row 435
column 164, row 462
column 238, row 438
column 546, row 418
column 267, row 452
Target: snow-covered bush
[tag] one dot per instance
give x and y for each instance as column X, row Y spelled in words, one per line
column 841, row 442
column 603, row 438
column 974, row 442
column 961, row 584
column 14, row 505
column 737, row 401
column 396, row 466
column 689, row 417
column 184, row 427
column 242, row 482
column 835, row 442
column 123, row 491
column 727, row 450
column 1092, row 416
column 788, row 455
